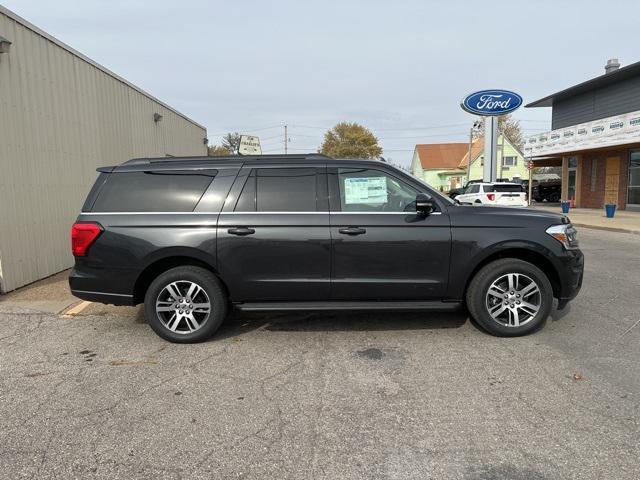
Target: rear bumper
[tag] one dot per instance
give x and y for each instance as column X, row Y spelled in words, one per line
column 87, row 284
column 103, row 297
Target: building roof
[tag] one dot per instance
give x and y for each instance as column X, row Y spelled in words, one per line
column 477, row 149
column 17, row 18
column 603, row 80
column 441, row 155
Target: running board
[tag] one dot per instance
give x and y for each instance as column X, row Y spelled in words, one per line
column 336, row 305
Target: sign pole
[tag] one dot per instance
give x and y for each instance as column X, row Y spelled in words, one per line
column 530, row 165
column 490, row 171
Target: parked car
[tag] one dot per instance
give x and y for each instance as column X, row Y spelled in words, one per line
column 454, row 192
column 550, row 191
column 194, row 237
column 499, row 193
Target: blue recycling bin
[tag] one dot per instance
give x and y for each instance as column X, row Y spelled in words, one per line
column 610, row 208
column 565, row 206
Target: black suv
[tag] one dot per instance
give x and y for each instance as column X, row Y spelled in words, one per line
column 192, row 237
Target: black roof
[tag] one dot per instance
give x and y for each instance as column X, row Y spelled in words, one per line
column 603, row 80
column 205, row 162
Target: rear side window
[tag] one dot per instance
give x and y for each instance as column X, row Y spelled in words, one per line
column 279, row 190
column 156, row 191
column 503, row 188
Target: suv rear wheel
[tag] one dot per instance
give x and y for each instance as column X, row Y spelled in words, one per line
column 510, row 297
column 185, row 304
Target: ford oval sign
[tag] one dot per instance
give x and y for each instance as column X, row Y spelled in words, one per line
column 491, row 102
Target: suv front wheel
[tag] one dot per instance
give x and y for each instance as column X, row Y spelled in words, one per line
column 185, row 304
column 510, row 297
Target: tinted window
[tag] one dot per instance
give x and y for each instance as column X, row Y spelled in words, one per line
column 364, row 190
column 152, row 191
column 247, row 199
column 503, row 188
column 279, row 190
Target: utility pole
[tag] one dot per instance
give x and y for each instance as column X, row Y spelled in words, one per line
column 472, row 130
column 286, row 140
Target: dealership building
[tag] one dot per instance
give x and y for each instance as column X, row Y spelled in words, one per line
column 62, row 115
column 595, row 137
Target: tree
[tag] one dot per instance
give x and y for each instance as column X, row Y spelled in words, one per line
column 508, row 126
column 350, row 140
column 217, row 151
column 231, row 141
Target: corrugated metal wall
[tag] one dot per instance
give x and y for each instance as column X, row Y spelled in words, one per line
column 60, row 118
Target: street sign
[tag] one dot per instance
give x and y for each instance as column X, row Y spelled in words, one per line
column 491, row 102
column 530, row 164
column 249, row 145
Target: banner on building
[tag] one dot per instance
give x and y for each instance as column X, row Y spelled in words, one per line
column 606, row 132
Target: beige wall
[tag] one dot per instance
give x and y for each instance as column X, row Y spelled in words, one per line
column 60, row 118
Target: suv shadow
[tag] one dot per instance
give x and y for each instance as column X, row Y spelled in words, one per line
column 240, row 323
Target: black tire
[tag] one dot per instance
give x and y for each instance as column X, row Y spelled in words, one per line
column 477, row 297
column 212, row 288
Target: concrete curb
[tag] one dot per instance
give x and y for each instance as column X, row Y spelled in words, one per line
column 608, row 229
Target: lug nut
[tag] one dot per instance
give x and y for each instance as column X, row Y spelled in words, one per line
column 518, row 296
column 190, row 306
column 518, row 302
column 180, row 311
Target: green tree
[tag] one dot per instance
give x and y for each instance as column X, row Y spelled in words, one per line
column 217, row 151
column 350, row 140
column 231, row 141
column 510, row 127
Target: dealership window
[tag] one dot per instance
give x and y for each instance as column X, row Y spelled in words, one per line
column 510, row 161
column 633, row 196
column 594, row 174
column 364, row 190
column 572, row 163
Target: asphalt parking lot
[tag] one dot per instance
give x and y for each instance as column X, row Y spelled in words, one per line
column 330, row 396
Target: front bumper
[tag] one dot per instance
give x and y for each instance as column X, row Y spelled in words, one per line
column 571, row 275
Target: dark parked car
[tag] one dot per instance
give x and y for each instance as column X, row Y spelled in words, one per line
column 194, row 237
column 550, row 191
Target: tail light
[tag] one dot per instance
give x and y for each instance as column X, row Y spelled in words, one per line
column 491, row 196
column 82, row 237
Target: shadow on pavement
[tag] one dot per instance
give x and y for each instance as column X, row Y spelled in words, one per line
column 239, row 323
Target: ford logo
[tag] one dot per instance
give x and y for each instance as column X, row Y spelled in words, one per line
column 491, row 102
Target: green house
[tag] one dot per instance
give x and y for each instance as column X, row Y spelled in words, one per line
column 444, row 165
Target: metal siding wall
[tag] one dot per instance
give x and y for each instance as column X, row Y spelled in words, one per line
column 60, row 119
column 622, row 97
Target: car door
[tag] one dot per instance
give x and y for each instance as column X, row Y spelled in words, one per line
column 381, row 248
column 273, row 234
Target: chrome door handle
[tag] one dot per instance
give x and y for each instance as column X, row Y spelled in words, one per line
column 241, row 231
column 352, row 231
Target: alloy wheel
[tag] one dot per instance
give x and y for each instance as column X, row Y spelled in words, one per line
column 513, row 300
column 183, row 307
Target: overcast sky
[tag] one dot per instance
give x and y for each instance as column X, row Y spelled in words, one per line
column 398, row 67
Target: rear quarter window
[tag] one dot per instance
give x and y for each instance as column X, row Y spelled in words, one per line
column 152, row 191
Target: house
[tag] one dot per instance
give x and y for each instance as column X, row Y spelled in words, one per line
column 438, row 164
column 595, row 138
column 444, row 166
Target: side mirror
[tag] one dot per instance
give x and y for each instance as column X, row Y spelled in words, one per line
column 424, row 204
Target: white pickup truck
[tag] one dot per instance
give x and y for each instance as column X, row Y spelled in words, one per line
column 500, row 194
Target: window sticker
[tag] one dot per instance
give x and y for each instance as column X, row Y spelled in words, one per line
column 367, row 190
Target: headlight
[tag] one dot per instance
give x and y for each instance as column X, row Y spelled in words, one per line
column 565, row 234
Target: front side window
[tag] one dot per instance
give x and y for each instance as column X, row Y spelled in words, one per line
column 279, row 190
column 475, row 188
column 367, row 190
column 153, row 191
